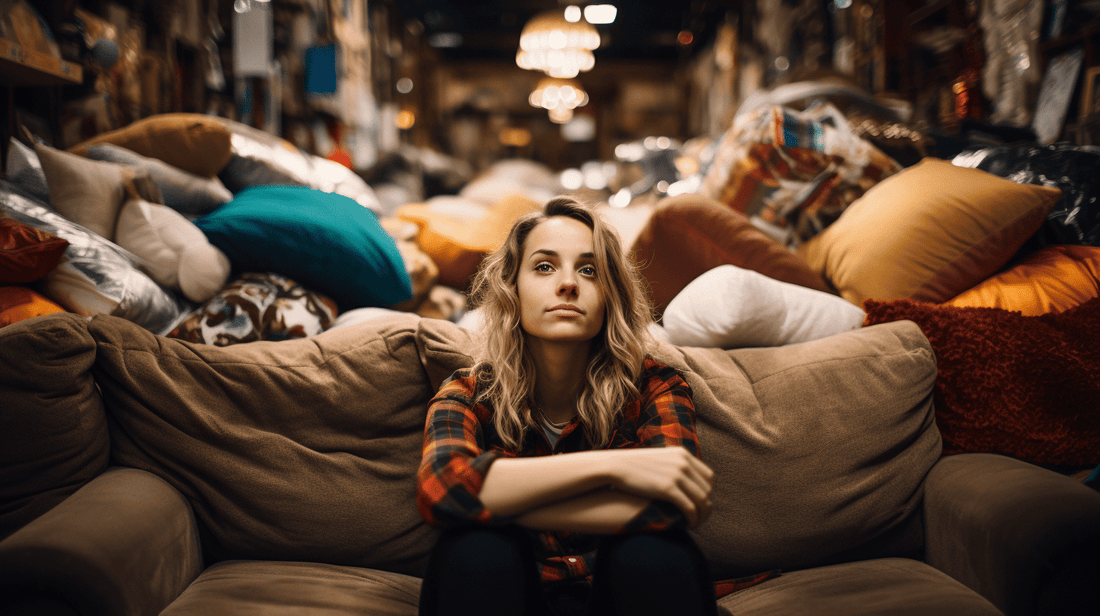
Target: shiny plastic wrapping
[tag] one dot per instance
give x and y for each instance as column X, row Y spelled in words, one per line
column 95, row 276
column 261, row 158
column 1075, row 170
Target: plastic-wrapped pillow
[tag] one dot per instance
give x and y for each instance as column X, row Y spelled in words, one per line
column 187, row 193
column 95, row 276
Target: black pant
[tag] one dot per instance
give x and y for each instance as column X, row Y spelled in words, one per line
column 491, row 571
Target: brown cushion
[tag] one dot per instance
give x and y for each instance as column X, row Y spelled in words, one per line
column 53, row 432
column 820, row 448
column 928, row 233
column 691, row 234
column 294, row 450
column 266, row 587
column 193, row 142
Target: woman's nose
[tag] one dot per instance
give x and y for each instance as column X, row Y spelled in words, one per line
column 567, row 285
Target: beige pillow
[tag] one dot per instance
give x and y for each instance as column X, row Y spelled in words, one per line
column 87, row 192
column 820, row 449
column 174, row 252
column 302, row 449
column 927, row 233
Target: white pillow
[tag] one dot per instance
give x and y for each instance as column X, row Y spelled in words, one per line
column 730, row 307
column 175, row 252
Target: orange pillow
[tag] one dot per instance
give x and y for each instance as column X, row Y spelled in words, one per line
column 27, row 253
column 19, row 303
column 193, row 142
column 1054, row 279
column 458, row 246
column 927, row 233
column 688, row 235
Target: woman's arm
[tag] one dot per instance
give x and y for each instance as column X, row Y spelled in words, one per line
column 553, row 491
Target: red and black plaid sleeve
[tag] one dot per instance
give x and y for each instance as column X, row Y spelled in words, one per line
column 454, row 459
column 665, row 418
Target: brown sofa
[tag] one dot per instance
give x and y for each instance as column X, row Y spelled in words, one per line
column 146, row 475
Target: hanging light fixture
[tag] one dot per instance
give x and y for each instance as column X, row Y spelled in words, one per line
column 560, row 48
column 553, row 93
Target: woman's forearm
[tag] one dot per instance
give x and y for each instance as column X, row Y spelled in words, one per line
column 603, row 511
column 515, row 485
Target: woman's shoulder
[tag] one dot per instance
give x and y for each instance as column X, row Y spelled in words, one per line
column 463, row 380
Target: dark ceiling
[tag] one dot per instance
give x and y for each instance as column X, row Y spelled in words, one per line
column 644, row 30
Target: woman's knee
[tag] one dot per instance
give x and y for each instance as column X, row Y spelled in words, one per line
column 482, row 552
column 660, row 556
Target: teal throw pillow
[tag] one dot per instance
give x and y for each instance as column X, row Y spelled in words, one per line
column 327, row 242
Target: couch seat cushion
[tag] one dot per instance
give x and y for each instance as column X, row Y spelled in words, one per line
column 273, row 588
column 895, row 586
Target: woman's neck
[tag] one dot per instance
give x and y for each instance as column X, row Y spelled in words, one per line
column 560, row 372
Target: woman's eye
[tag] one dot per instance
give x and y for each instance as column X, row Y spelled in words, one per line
column 544, row 267
column 588, row 270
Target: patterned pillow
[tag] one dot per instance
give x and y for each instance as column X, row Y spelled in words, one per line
column 258, row 307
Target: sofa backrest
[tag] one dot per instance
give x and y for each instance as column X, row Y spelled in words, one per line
column 294, row 450
column 308, row 449
column 820, row 449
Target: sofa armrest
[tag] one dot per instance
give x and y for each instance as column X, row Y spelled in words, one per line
column 1026, row 538
column 126, row 543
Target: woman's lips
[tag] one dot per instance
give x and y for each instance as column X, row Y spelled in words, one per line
column 569, row 307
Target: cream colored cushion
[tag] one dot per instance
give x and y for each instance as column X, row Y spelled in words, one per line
column 173, row 250
column 730, row 307
column 87, row 192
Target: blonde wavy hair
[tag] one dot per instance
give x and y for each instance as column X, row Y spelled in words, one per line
column 505, row 369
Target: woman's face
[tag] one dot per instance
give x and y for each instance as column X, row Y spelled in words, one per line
column 559, row 299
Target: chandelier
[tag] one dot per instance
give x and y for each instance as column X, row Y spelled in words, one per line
column 556, row 46
column 559, row 97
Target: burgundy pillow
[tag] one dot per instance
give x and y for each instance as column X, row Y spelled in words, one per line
column 1024, row 386
column 27, row 253
column 691, row 234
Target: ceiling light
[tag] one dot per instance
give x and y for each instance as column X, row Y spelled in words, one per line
column 551, row 44
column 600, row 13
column 572, row 13
column 553, row 93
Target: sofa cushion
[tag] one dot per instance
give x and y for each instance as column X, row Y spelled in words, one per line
column 278, row 588
column 294, row 450
column 927, row 233
column 688, row 235
column 194, row 142
column 864, row 588
column 53, row 432
column 820, row 448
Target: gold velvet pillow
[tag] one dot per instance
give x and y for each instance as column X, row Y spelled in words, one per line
column 927, row 233
column 1054, row 279
column 193, row 142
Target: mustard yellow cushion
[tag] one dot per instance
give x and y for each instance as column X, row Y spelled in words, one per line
column 19, row 303
column 193, row 142
column 458, row 246
column 927, row 233
column 1054, row 279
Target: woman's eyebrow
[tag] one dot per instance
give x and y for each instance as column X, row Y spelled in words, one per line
column 554, row 253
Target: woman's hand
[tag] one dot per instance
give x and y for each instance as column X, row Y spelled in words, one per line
column 665, row 473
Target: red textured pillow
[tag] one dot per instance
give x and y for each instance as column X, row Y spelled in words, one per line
column 1024, row 386
column 27, row 253
column 691, row 234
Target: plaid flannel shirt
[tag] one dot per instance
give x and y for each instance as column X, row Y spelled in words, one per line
column 460, row 444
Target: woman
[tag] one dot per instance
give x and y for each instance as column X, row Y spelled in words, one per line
column 563, row 370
